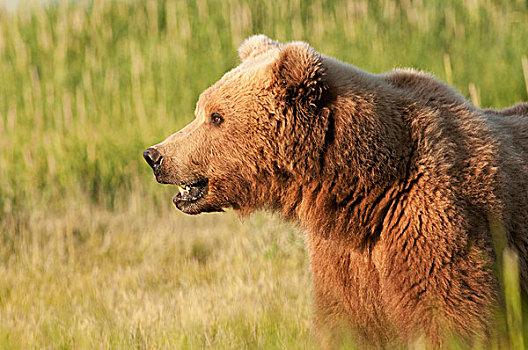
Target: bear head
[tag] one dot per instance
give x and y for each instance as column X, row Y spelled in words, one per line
column 259, row 128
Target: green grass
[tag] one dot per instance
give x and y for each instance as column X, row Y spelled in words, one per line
column 92, row 253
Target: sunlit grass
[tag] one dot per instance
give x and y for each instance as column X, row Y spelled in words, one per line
column 91, row 278
column 92, row 254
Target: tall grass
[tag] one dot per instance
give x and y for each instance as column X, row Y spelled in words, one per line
column 92, row 254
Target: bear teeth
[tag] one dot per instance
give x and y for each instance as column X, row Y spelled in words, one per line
column 183, row 190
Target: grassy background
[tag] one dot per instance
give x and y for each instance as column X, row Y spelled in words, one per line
column 92, row 253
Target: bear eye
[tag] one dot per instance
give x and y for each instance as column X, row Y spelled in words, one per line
column 216, row 119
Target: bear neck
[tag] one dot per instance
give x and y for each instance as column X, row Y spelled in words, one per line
column 352, row 214
column 365, row 163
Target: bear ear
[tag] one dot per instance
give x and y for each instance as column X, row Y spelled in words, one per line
column 256, row 45
column 300, row 72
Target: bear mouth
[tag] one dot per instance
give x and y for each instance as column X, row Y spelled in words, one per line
column 190, row 192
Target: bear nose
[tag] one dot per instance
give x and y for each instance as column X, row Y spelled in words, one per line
column 153, row 158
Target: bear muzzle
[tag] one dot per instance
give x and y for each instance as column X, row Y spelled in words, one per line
column 153, row 158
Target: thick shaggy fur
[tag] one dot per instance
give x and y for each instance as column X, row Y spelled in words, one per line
column 399, row 182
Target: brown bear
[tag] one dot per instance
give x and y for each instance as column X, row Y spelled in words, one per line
column 398, row 181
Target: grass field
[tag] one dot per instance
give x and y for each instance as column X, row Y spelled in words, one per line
column 92, row 252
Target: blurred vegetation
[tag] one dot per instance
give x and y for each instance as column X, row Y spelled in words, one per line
column 86, row 86
column 92, row 253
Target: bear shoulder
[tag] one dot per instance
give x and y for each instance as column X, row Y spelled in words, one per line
column 423, row 86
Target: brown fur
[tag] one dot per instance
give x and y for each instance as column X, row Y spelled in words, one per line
column 396, row 178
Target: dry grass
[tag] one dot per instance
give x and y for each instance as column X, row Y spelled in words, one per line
column 91, row 278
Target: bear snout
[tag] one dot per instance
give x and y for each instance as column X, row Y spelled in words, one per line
column 153, row 158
